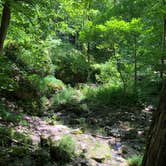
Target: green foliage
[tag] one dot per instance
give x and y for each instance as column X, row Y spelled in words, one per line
column 135, row 160
column 9, row 136
column 64, row 150
column 7, row 70
column 20, row 54
column 28, row 78
column 46, row 85
column 48, row 42
column 10, row 117
column 71, row 64
column 107, row 73
column 107, row 95
column 114, row 44
column 67, row 96
column 149, row 91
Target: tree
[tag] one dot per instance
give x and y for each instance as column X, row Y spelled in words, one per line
column 23, row 7
column 163, row 43
column 155, row 154
column 156, row 148
column 6, row 14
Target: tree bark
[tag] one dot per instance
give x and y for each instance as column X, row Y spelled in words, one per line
column 119, row 70
column 6, row 14
column 163, row 48
column 155, row 154
column 88, row 49
column 135, row 65
column 163, row 44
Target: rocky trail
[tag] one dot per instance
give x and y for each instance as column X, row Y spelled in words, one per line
column 98, row 150
column 92, row 148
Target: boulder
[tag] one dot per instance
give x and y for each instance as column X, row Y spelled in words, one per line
column 100, row 152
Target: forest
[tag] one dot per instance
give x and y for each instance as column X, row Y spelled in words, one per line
column 82, row 83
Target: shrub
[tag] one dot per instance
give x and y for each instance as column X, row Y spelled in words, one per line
column 107, row 73
column 110, row 96
column 9, row 136
column 135, row 160
column 32, row 58
column 64, row 150
column 46, row 85
column 7, row 71
column 68, row 95
column 149, row 90
column 71, row 64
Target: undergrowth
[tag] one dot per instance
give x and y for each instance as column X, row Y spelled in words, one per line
column 64, row 150
column 135, row 160
column 110, row 96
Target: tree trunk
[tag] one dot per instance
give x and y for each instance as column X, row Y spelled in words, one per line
column 88, row 49
column 163, row 48
column 6, row 13
column 121, row 77
column 120, row 71
column 135, row 65
column 155, row 154
column 163, row 44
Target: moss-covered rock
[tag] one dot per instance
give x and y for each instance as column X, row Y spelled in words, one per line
column 100, row 151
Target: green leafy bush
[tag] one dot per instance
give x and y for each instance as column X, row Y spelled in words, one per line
column 149, row 90
column 68, row 95
column 30, row 57
column 64, row 150
column 135, row 160
column 71, row 64
column 46, row 85
column 109, row 96
column 108, row 73
column 10, row 135
column 6, row 114
column 7, row 72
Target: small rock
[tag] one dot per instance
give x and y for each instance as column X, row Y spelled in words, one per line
column 140, row 133
column 124, row 149
column 92, row 162
column 93, row 121
column 54, row 139
column 77, row 131
column 35, row 139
